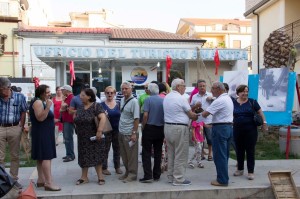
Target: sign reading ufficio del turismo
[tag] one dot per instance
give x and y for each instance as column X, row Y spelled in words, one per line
column 136, row 53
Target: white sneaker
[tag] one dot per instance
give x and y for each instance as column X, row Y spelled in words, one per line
column 191, row 165
column 238, row 173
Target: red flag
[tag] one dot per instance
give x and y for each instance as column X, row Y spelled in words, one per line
column 168, row 64
column 217, row 61
column 72, row 72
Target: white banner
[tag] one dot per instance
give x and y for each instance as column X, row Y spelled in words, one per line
column 139, row 74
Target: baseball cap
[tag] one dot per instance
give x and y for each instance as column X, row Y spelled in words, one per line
column 66, row 87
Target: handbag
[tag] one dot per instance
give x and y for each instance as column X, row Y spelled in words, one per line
column 257, row 118
column 107, row 125
column 6, row 182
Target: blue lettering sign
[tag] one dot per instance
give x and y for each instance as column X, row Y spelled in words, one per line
column 121, row 53
column 112, row 53
column 38, row 51
column 134, row 52
column 183, row 54
column 72, row 52
column 48, row 51
column 87, row 52
column 101, row 52
column 152, row 54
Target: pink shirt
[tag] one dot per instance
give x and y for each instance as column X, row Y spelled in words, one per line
column 195, row 91
column 198, row 126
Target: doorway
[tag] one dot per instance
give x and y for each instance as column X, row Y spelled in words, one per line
column 81, row 79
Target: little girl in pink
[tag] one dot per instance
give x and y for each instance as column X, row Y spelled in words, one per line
column 197, row 132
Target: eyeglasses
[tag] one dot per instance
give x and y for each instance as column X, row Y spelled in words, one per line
column 5, row 88
column 146, row 88
column 109, row 93
column 182, row 85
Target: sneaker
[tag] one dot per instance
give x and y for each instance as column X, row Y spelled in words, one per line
column 200, row 165
column 184, row 183
column 238, row 173
column 18, row 185
column 156, row 179
column 68, row 159
column 129, row 179
column 191, row 165
column 146, row 180
column 250, row 176
column 123, row 177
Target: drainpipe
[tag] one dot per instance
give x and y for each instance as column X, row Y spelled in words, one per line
column 257, row 16
column 13, row 53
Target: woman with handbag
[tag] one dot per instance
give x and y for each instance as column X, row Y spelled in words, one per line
column 245, row 129
column 112, row 110
column 91, row 152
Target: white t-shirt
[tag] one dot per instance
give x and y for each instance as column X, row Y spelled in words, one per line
column 175, row 108
column 221, row 109
column 205, row 104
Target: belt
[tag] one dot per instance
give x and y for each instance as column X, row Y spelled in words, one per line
column 222, row 123
column 176, row 124
column 9, row 124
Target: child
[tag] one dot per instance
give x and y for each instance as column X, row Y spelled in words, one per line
column 197, row 133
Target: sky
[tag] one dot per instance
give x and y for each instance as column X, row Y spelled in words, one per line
column 156, row 14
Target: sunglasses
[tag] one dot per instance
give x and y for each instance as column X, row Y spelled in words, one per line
column 109, row 93
column 146, row 88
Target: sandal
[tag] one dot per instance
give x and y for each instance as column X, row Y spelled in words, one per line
column 101, row 181
column 209, row 158
column 81, row 181
column 119, row 171
column 106, row 172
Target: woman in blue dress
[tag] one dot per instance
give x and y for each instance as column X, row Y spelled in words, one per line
column 113, row 112
column 245, row 130
column 43, row 136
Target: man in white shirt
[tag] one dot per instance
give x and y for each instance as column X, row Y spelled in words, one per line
column 202, row 100
column 221, row 110
column 177, row 113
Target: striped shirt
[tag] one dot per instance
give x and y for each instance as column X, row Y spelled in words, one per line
column 120, row 96
column 10, row 111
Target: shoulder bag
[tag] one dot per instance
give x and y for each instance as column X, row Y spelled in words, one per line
column 257, row 118
column 107, row 126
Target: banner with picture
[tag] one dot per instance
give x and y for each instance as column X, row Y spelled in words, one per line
column 140, row 75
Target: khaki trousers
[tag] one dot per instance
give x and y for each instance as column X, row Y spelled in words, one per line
column 177, row 137
column 11, row 135
column 129, row 155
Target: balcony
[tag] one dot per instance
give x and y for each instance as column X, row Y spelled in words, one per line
column 9, row 9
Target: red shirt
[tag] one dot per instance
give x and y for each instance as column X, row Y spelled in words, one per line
column 66, row 117
column 57, row 105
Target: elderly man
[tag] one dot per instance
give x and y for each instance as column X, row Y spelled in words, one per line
column 128, row 136
column 68, row 125
column 12, row 119
column 222, row 111
column 153, row 133
column 202, row 100
column 177, row 113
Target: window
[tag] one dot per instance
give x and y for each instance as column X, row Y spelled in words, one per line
column 236, row 43
column 4, row 8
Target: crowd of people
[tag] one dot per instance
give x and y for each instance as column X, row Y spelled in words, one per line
column 167, row 119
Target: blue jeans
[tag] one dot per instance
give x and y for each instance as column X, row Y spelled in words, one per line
column 68, row 131
column 221, row 136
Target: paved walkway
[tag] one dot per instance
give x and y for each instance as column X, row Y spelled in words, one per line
column 66, row 174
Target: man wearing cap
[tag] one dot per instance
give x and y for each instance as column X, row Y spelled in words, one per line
column 68, row 126
column 13, row 109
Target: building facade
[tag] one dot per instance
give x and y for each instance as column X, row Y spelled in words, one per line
column 221, row 33
column 120, row 54
column 268, row 16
